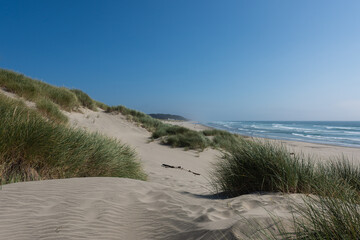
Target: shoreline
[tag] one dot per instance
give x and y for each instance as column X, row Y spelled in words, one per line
column 285, row 140
column 318, row 151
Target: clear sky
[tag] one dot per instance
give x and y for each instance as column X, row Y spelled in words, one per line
column 204, row 59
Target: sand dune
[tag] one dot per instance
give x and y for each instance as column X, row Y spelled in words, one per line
column 173, row 204
column 115, row 208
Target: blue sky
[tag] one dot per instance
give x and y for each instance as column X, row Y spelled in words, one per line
column 207, row 60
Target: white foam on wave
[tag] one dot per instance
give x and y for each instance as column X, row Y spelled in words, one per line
column 292, row 128
column 293, row 131
column 353, row 133
column 342, row 128
column 325, row 137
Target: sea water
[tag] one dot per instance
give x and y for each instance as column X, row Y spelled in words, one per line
column 335, row 133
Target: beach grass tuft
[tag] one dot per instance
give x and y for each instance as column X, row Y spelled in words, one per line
column 331, row 202
column 51, row 111
column 101, row 105
column 329, row 217
column 84, row 99
column 263, row 166
column 253, row 166
column 189, row 140
column 331, row 212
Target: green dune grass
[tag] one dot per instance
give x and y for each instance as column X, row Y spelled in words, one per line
column 35, row 90
column 253, row 166
column 331, row 211
column 51, row 111
column 32, row 148
column 325, row 217
column 84, row 99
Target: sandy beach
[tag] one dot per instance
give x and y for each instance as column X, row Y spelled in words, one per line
column 173, row 204
column 179, row 120
column 323, row 152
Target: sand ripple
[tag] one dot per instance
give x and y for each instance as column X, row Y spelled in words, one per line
column 113, row 208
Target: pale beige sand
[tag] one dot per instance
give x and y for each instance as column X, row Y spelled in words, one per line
column 173, row 204
column 323, row 152
column 115, row 208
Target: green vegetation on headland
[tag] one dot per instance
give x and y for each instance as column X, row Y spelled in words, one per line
column 37, row 144
column 163, row 116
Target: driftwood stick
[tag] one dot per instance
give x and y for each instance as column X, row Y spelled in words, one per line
column 179, row 167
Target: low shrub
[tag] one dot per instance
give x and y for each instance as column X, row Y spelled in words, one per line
column 190, row 140
column 168, row 130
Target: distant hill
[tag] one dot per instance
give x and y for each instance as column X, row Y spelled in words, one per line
column 167, row 117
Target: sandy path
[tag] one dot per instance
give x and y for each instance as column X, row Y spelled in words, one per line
column 153, row 154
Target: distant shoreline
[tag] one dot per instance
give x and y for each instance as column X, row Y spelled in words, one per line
column 280, row 138
column 319, row 151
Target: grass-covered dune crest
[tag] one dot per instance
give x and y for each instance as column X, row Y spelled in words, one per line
column 49, row 99
column 36, row 90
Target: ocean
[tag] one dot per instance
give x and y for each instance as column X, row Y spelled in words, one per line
column 335, row 133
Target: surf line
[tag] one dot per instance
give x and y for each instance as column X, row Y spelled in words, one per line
column 179, row 167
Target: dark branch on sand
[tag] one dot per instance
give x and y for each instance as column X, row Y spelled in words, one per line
column 179, row 167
